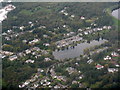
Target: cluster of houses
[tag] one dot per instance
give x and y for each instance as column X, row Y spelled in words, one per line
column 64, row 12
column 113, row 54
column 90, row 30
column 68, row 41
column 109, row 57
column 3, row 54
column 78, row 37
column 32, row 80
column 35, row 81
column 112, row 70
column 54, row 76
column 35, row 51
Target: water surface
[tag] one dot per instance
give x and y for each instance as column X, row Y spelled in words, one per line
column 77, row 51
column 116, row 13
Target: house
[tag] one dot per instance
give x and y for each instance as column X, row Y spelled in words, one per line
column 6, row 53
column 107, row 58
column 64, row 26
column 71, row 70
column 29, row 61
column 104, row 27
column 34, row 41
column 81, row 76
column 28, row 51
column 76, row 64
column 24, row 41
column 42, row 27
column 112, row 70
column 31, row 26
column 86, row 33
column 62, row 11
column 33, row 53
column 109, row 27
column 98, row 66
column 90, row 61
column 72, row 16
column 14, row 57
column 21, row 27
column 78, row 59
column 118, row 50
column 4, row 33
column 45, row 36
column 21, row 54
column 36, row 48
column 99, row 29
column 62, row 78
column 117, row 65
column 74, row 82
column 40, row 70
column 24, row 84
column 30, row 22
column 35, row 85
column 56, row 86
column 37, row 56
column 7, row 38
column 82, row 17
column 80, row 30
column 46, row 44
column 65, row 13
column 114, row 54
column 47, row 59
column 3, row 56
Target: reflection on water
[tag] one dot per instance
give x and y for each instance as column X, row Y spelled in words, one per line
column 77, row 50
column 115, row 13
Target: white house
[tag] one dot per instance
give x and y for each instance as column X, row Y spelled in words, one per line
column 82, row 17
column 47, row 59
column 14, row 57
column 28, row 51
column 112, row 70
column 72, row 16
column 29, row 61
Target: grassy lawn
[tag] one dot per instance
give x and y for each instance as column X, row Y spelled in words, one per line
column 26, row 12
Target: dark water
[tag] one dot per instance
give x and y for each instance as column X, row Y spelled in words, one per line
column 116, row 13
column 77, row 51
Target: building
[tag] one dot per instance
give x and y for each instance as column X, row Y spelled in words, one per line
column 82, row 17
column 98, row 66
column 47, row 59
column 28, row 51
column 90, row 61
column 112, row 70
column 46, row 44
column 29, row 61
column 12, row 58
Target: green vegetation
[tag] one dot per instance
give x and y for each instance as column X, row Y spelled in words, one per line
column 32, row 32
